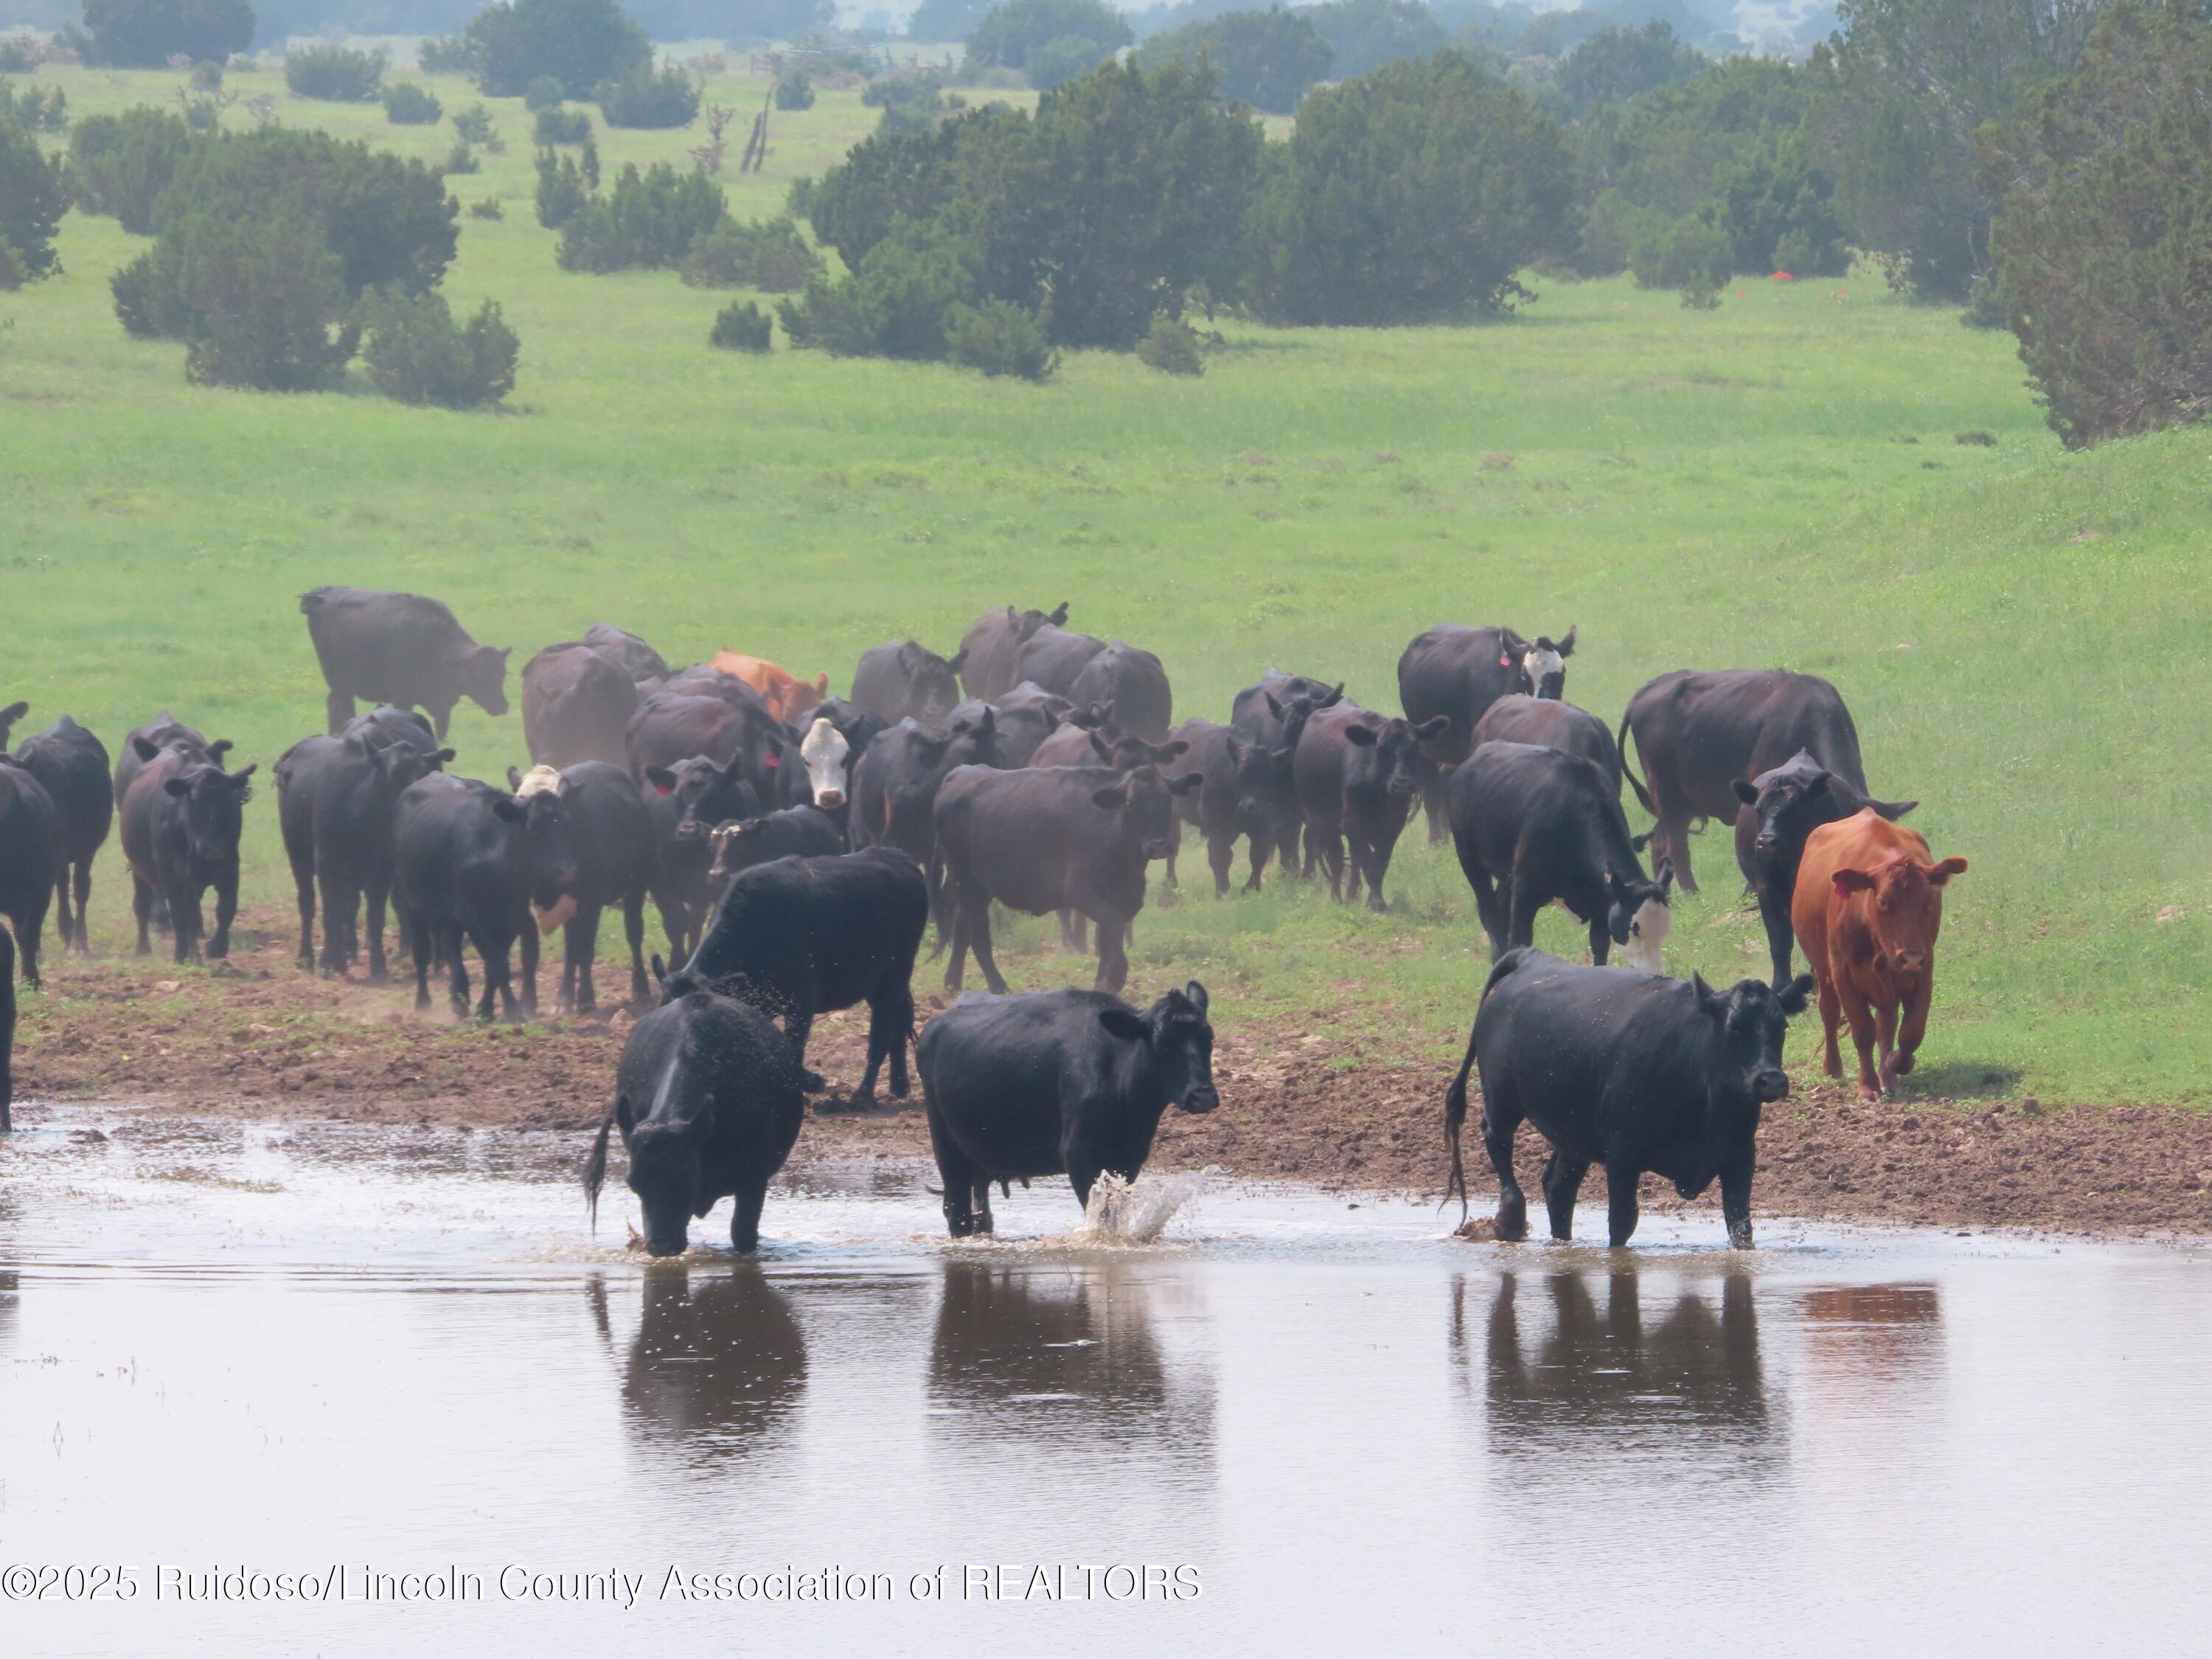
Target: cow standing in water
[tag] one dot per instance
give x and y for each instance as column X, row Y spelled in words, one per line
column 400, row 648
column 1868, row 906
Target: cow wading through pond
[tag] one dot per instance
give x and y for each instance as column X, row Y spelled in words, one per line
column 708, row 1103
column 1067, row 1083
column 1632, row 1071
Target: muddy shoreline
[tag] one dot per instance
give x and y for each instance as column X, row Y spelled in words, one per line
column 260, row 1039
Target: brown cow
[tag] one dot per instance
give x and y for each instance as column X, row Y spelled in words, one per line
column 1868, row 905
column 787, row 695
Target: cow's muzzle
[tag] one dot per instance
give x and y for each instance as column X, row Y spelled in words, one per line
column 691, row 830
column 1200, row 1099
column 1770, row 1085
column 829, row 799
column 675, row 1246
column 1763, row 843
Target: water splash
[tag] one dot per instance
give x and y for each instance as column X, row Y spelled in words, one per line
column 1120, row 1213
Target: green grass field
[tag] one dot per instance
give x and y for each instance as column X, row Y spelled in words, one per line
column 2020, row 632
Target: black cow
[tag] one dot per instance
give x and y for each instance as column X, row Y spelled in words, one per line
column 895, row 785
column 73, row 765
column 684, row 803
column 1781, row 807
column 1051, row 838
column 611, row 837
column 1247, row 791
column 1356, row 773
column 1633, row 1071
column 336, row 799
column 1024, row 718
column 1067, row 1083
column 1458, row 673
column 1053, row 658
column 162, row 731
column 7, row 1032
column 672, row 726
column 905, row 680
column 708, row 1102
column 30, row 857
column 576, row 705
column 182, row 822
column 1699, row 734
column 470, row 861
column 1521, row 718
column 993, row 643
column 1092, row 737
column 9, row 716
column 1532, row 824
column 636, row 659
column 801, row 936
column 1273, row 714
column 400, row 648
column 1133, row 681
column 801, row 832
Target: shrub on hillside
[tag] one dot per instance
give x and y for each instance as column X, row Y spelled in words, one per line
column 1615, row 64
column 772, row 257
column 558, row 126
column 999, row 337
column 334, row 74
column 408, row 106
column 563, row 187
column 1265, row 58
column 897, row 299
column 35, row 109
column 118, row 164
column 445, row 54
column 1686, row 254
column 416, row 354
column 794, row 92
column 1414, row 193
column 544, row 93
column 473, row 126
column 149, row 33
column 461, row 160
column 576, row 43
column 34, row 195
column 2103, row 232
column 648, row 220
column 1073, row 35
column 487, row 209
column 259, row 299
column 1171, row 345
column 742, row 325
column 642, row 99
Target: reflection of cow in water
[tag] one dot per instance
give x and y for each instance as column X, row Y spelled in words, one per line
column 1061, row 1357
column 718, row 1365
column 1596, row 1374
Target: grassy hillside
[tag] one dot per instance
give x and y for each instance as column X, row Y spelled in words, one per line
column 2020, row 632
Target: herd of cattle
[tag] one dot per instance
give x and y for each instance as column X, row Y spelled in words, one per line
column 799, row 845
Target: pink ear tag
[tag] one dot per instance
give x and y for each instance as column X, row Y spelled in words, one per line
column 1505, row 662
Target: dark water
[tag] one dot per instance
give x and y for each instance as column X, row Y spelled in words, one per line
column 1290, row 1427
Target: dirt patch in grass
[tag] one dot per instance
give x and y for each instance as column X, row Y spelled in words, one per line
column 1299, row 1102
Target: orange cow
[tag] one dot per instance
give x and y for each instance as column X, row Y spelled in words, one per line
column 787, row 696
column 1868, row 906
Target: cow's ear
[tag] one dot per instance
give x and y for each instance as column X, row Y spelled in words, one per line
column 1334, row 697
column 1708, row 1002
column 1168, row 751
column 147, row 748
column 1120, row 1022
column 661, row 779
column 1099, row 744
column 441, row 756
column 1566, row 647
column 1745, row 792
column 1792, row 996
column 1285, row 756
column 1848, row 881
column 514, row 778
column 988, row 721
column 1112, row 799
column 773, row 742
column 1432, row 728
column 1666, row 878
column 906, row 654
column 13, row 712
column 219, row 748
column 1060, row 615
column 1361, row 735
column 179, row 786
column 1185, row 783
column 1011, row 616
column 1236, row 750
column 1892, row 810
column 822, row 682
column 1943, row 871
column 1196, row 992
column 1818, row 782
column 956, row 658
column 237, row 780
column 1273, row 707
column 513, row 811
column 1637, row 843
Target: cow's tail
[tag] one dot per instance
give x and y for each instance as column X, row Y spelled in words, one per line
column 1620, row 743
column 595, row 1166
column 1455, row 1096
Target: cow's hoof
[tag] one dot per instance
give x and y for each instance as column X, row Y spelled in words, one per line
column 1511, row 1224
